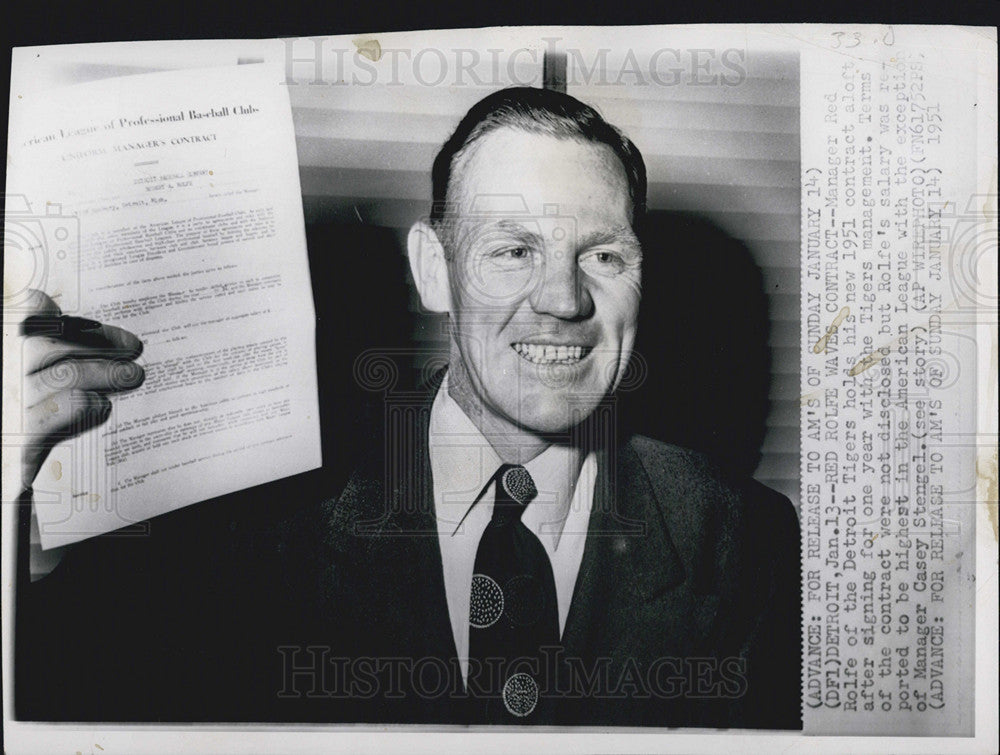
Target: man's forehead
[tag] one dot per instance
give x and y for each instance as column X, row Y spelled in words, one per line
column 500, row 206
column 510, row 171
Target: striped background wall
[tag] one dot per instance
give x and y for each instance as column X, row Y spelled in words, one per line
column 729, row 153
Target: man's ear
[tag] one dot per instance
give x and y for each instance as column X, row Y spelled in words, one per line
column 429, row 267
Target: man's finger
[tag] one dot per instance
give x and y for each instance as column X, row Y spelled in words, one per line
column 78, row 329
column 104, row 341
column 98, row 375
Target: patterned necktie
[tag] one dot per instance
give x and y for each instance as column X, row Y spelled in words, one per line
column 513, row 611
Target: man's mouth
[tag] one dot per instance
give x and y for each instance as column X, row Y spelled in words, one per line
column 543, row 353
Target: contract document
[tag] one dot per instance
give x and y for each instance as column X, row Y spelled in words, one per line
column 168, row 204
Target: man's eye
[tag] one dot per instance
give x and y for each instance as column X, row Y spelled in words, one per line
column 511, row 255
column 603, row 262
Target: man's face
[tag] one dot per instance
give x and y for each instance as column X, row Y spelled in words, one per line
column 545, row 279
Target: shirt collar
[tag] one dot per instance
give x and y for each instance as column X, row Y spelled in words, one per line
column 463, row 461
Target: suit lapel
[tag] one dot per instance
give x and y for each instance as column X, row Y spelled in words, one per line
column 636, row 595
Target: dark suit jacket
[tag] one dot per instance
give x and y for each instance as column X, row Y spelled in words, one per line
column 686, row 610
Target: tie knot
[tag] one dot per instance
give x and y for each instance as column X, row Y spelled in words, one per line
column 517, row 484
column 515, row 490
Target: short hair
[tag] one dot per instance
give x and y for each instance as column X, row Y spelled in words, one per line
column 536, row 111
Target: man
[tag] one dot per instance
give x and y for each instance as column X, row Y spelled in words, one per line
column 502, row 556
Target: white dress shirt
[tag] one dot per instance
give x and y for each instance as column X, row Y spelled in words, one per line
column 462, row 462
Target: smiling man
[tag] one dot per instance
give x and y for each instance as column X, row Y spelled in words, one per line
column 503, row 556
column 532, row 255
column 572, row 576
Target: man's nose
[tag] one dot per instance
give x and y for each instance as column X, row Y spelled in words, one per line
column 560, row 291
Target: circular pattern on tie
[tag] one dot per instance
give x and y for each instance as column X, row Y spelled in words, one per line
column 524, row 600
column 486, row 603
column 517, row 483
column 520, row 695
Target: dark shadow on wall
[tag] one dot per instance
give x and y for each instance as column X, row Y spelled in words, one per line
column 703, row 343
column 361, row 297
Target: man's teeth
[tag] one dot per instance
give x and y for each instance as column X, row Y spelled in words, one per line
column 546, row 354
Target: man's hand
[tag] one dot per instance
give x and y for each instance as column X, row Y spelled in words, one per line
column 71, row 365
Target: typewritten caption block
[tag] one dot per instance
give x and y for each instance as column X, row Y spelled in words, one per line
column 888, row 382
